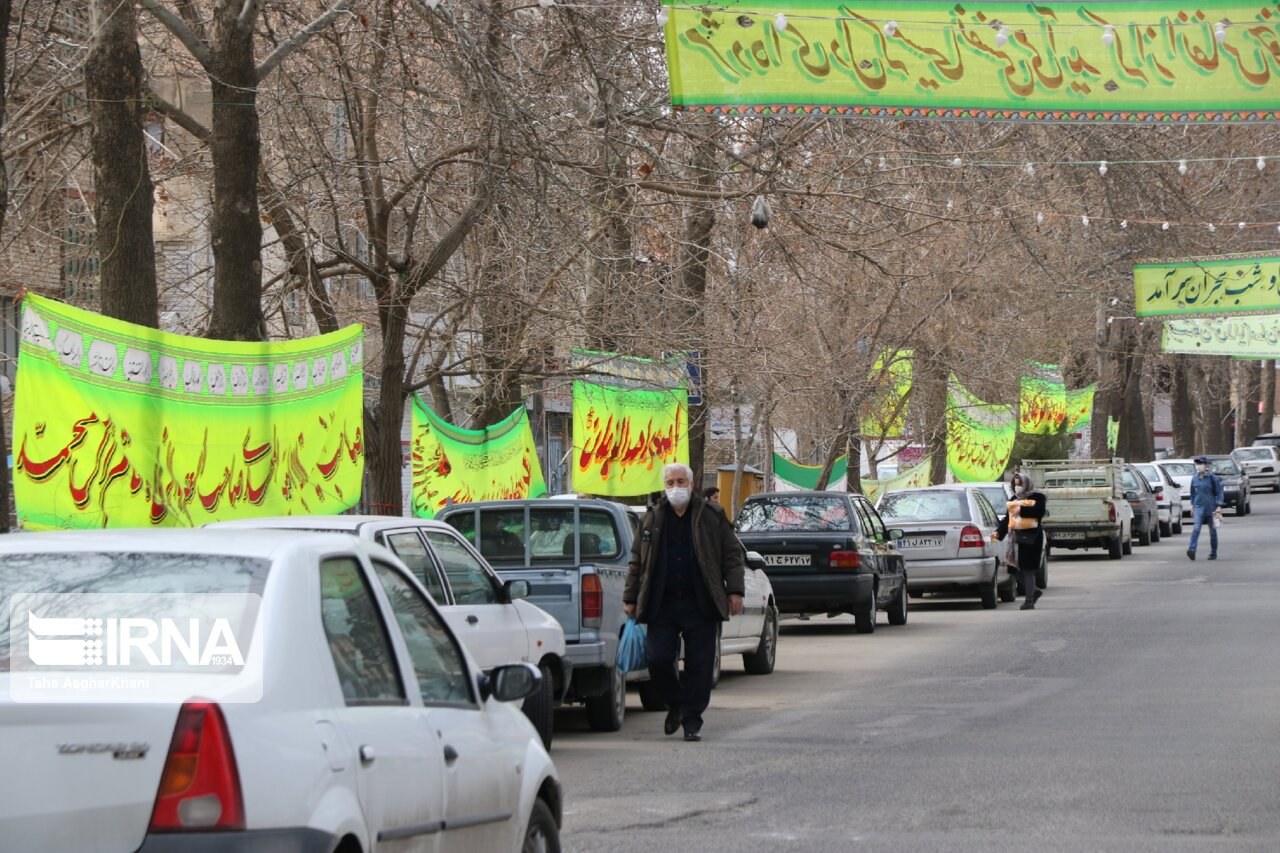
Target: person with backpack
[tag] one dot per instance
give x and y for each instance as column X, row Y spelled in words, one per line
column 1207, row 501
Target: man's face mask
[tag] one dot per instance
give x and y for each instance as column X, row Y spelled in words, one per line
column 1201, row 467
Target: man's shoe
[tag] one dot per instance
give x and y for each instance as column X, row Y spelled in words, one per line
column 1213, row 556
column 1030, row 605
column 691, row 736
column 1191, row 555
column 672, row 722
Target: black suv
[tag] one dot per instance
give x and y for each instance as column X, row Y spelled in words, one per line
column 827, row 552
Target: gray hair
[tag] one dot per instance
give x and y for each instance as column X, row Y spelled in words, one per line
column 677, row 466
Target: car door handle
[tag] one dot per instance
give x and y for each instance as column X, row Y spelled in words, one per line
column 472, row 619
column 367, row 755
column 450, row 754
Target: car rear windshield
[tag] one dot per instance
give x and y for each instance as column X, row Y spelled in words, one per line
column 1180, row 469
column 123, row 573
column 803, row 512
column 921, row 505
column 1255, row 453
column 1224, row 467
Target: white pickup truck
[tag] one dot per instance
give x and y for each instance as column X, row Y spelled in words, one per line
column 1086, row 505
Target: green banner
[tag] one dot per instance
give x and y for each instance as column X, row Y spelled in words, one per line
column 1255, row 336
column 117, row 425
column 1080, row 407
column 979, row 436
column 1099, row 62
column 806, row 476
column 1224, row 285
column 1043, row 404
column 912, row 478
column 886, row 415
column 622, row 438
column 456, row 465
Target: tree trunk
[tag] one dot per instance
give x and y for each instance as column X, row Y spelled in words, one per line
column 931, row 387
column 1247, row 410
column 1267, row 383
column 6, row 13
column 124, row 195
column 1184, row 425
column 384, row 419
column 611, row 264
column 695, row 254
column 1134, row 441
column 235, row 146
column 1215, row 392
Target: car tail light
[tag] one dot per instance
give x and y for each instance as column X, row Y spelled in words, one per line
column 592, row 601
column 200, row 785
column 1111, row 512
column 844, row 560
column 970, row 537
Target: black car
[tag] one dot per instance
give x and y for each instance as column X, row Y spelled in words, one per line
column 1235, row 483
column 827, row 552
column 1140, row 495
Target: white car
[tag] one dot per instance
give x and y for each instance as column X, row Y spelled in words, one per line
column 490, row 617
column 1261, row 463
column 374, row 729
column 1168, row 496
column 1182, row 471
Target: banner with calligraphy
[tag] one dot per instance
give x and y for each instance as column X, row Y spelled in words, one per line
column 886, row 415
column 1254, row 336
column 1043, row 403
column 1080, row 407
column 117, row 425
column 623, row 437
column 792, row 476
column 912, row 478
column 1221, row 285
column 980, row 436
column 1121, row 61
column 456, row 465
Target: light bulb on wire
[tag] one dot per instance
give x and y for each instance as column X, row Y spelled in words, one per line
column 1102, row 168
column 780, row 22
column 1220, row 32
column 1212, row 228
column 546, row 4
column 663, row 16
column 1084, row 220
column 1002, row 36
column 1164, row 226
column 1108, row 35
column 1182, row 167
column 1039, row 218
column 957, row 162
column 890, row 28
column 1030, row 169
column 1261, row 163
column 1124, row 223
column 1240, row 225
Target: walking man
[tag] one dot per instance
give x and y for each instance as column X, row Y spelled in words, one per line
column 1206, row 507
column 686, row 576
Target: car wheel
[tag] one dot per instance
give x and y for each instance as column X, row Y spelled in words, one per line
column 1177, row 528
column 1240, row 510
column 1144, row 536
column 542, row 835
column 1126, row 542
column 897, row 608
column 1166, row 528
column 605, row 712
column 1115, row 548
column 540, row 708
column 989, row 594
column 650, row 699
column 761, row 661
column 1155, row 533
column 864, row 615
column 1009, row 591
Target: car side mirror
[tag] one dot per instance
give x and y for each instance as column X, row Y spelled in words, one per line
column 896, row 533
column 1131, row 496
column 511, row 683
column 514, row 590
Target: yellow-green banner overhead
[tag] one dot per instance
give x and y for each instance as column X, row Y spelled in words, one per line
column 1070, row 61
column 1080, row 407
column 623, row 437
column 1256, row 336
column 913, row 478
column 1043, row 405
column 455, row 465
column 1224, row 285
column 980, row 436
column 117, row 425
column 886, row 415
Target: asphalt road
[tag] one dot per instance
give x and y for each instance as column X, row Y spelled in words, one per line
column 1137, row 708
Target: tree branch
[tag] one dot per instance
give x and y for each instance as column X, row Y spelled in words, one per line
column 180, row 117
column 180, row 30
column 299, row 38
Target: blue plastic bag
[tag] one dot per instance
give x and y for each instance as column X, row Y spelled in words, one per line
column 631, row 654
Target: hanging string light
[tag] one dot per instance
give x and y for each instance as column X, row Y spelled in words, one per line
column 780, row 22
column 1108, row 35
column 1102, row 168
column 1261, row 163
column 1220, row 32
column 890, row 28
column 1030, row 169
column 1182, row 167
column 1002, row 36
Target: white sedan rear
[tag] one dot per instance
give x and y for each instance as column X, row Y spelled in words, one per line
column 373, row 730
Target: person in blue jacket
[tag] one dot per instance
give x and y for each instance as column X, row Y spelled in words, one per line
column 1206, row 504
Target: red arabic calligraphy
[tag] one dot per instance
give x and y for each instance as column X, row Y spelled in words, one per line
column 610, row 443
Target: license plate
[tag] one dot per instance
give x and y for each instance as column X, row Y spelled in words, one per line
column 921, row 542
column 1068, row 536
column 787, row 559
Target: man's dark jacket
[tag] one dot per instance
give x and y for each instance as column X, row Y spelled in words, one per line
column 719, row 554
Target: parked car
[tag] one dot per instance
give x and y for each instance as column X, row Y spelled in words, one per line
column 490, row 616
column 1086, row 506
column 1270, row 439
column 946, row 542
column 574, row 553
column 373, row 724
column 1261, row 464
column 1181, row 470
column 1236, row 489
column 1168, row 497
column 998, row 494
column 1142, row 498
column 827, row 552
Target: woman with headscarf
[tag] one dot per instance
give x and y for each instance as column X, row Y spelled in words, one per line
column 1023, row 521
